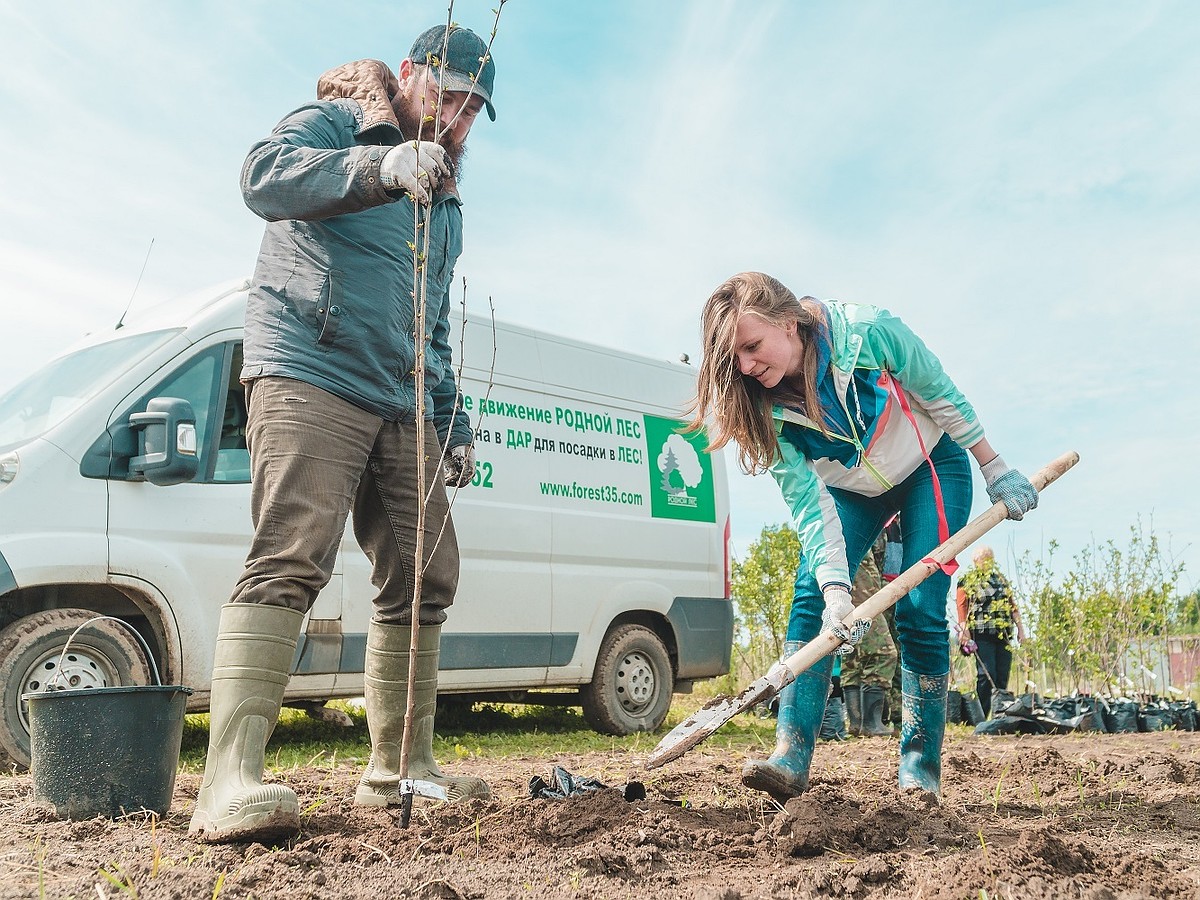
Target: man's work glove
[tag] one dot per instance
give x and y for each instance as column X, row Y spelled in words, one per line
column 414, row 166
column 1010, row 487
column 838, row 605
column 459, row 466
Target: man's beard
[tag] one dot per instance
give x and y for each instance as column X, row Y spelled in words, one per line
column 411, row 126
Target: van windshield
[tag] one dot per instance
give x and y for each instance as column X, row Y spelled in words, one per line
column 48, row 396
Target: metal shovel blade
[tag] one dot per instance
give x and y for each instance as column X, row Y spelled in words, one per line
column 412, row 787
column 715, row 713
column 422, row 789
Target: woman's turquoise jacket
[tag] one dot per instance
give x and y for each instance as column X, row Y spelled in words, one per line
column 877, row 367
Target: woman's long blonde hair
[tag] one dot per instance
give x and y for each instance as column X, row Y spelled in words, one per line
column 741, row 407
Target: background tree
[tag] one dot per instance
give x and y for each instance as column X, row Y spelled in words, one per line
column 763, row 584
column 1185, row 618
column 1102, row 626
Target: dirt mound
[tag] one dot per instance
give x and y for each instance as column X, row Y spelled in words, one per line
column 1100, row 817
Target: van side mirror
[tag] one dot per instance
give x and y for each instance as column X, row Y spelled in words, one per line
column 166, row 437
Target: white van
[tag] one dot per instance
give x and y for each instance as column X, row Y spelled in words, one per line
column 594, row 538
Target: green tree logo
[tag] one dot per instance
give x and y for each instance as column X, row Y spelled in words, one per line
column 681, row 476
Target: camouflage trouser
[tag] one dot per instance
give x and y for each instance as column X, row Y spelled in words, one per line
column 874, row 660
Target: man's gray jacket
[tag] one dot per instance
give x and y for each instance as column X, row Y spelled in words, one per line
column 331, row 301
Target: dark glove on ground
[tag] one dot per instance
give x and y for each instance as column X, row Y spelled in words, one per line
column 567, row 785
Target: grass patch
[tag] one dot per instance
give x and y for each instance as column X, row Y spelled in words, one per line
column 487, row 730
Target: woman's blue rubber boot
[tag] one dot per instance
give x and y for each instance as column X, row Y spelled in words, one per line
column 924, row 708
column 801, row 708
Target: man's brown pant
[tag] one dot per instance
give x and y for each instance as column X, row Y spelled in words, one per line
column 314, row 457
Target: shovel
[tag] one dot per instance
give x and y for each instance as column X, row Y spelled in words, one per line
column 694, row 729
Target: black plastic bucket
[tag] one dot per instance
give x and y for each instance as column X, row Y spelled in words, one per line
column 106, row 751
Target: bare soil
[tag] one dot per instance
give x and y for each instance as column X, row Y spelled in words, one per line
column 1098, row 817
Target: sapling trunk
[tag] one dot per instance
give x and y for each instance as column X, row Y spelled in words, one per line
column 420, row 252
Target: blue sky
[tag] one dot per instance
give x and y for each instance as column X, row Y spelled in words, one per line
column 1018, row 181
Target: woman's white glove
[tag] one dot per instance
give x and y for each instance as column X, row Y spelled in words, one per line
column 1010, row 487
column 414, row 166
column 838, row 605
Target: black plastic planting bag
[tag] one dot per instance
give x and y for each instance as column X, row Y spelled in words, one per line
column 1095, row 711
column 1001, row 701
column 1187, row 714
column 1023, row 706
column 1155, row 718
column 1010, row 725
column 1124, row 716
column 1061, row 707
column 1029, row 714
column 954, row 710
column 1076, row 713
column 972, row 709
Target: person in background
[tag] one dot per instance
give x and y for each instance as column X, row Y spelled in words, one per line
column 857, row 421
column 867, row 672
column 988, row 615
column 349, row 185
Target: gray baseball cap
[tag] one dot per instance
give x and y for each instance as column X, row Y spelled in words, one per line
column 468, row 66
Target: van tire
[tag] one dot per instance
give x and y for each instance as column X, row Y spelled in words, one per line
column 102, row 654
column 631, row 688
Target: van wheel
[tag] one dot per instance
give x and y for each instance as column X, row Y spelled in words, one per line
column 631, row 688
column 103, row 654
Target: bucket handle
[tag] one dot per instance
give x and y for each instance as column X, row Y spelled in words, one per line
column 51, row 682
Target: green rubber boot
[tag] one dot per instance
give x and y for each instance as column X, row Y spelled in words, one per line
column 873, row 698
column 854, row 708
column 801, row 709
column 255, row 647
column 924, row 725
column 385, row 686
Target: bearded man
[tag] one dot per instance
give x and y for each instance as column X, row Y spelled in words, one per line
column 348, row 185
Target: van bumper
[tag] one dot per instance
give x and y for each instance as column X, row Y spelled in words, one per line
column 7, row 582
column 703, row 635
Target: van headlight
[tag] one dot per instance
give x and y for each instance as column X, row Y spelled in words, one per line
column 10, row 463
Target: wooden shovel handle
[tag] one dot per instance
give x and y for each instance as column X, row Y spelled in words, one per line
column 826, row 642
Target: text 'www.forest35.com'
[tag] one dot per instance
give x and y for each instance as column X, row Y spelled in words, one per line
column 604, row 494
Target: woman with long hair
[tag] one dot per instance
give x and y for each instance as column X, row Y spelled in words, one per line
column 857, row 421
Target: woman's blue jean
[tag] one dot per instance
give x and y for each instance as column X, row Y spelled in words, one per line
column 921, row 629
